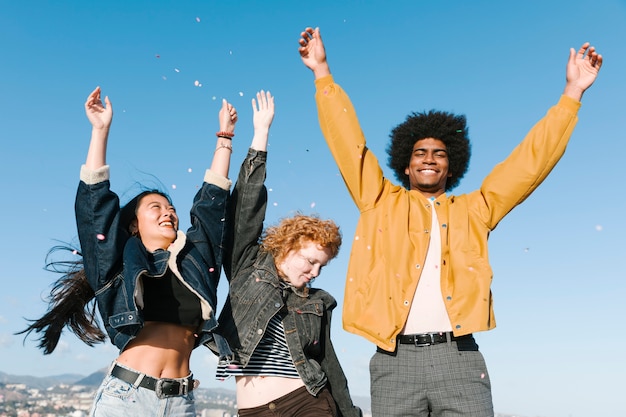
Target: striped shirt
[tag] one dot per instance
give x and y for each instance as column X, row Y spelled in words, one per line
column 270, row 358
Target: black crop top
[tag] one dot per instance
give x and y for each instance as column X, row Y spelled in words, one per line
column 168, row 300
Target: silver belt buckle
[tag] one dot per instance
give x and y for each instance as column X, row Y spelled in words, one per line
column 427, row 343
column 183, row 388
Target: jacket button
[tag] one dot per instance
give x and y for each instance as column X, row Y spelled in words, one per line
column 259, row 331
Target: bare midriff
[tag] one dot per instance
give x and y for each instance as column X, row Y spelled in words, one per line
column 160, row 350
column 253, row 391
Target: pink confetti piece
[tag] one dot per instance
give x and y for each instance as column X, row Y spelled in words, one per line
column 211, row 269
column 100, row 236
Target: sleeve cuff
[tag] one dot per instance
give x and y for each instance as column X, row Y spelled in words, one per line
column 94, row 176
column 569, row 103
column 323, row 82
column 215, row 179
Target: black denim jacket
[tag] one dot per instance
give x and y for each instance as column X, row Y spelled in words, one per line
column 255, row 295
column 114, row 260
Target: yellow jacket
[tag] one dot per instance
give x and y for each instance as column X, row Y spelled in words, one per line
column 393, row 231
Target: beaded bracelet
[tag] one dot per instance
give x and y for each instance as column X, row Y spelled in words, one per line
column 224, row 145
column 225, row 135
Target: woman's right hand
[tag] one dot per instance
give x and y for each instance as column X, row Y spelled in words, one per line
column 99, row 115
column 263, row 110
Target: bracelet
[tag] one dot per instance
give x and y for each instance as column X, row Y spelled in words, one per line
column 225, row 135
column 223, row 145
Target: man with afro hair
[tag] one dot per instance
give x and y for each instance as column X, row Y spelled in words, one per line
column 418, row 282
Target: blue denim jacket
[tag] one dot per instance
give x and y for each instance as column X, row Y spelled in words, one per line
column 114, row 260
column 255, row 295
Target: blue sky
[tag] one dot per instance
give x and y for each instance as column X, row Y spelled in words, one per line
column 558, row 285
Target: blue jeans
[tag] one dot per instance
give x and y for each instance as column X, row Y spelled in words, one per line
column 117, row 398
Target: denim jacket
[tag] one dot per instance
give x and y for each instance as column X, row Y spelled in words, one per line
column 114, row 260
column 255, row 295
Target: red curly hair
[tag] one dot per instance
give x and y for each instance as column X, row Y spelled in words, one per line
column 292, row 233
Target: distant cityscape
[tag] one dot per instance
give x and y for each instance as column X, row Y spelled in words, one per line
column 72, row 395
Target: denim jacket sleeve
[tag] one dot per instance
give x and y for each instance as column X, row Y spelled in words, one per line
column 337, row 381
column 102, row 241
column 208, row 220
column 247, row 212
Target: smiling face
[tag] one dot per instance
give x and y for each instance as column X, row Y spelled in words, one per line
column 428, row 167
column 156, row 223
column 300, row 267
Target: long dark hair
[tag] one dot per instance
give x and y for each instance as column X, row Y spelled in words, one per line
column 72, row 302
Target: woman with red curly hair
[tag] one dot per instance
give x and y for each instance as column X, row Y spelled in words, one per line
column 277, row 326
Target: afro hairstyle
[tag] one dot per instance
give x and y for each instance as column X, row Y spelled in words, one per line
column 449, row 128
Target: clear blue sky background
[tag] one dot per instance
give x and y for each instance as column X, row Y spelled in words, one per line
column 559, row 286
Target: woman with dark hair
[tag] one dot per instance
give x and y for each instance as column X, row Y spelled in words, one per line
column 276, row 324
column 154, row 286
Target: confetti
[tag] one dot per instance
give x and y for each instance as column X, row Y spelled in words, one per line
column 211, row 269
column 157, row 56
column 482, row 376
column 198, row 19
column 214, row 98
column 197, row 83
column 275, row 204
column 188, row 169
column 599, row 227
column 173, row 186
column 164, row 77
column 100, row 236
column 176, row 69
column 241, row 94
column 313, row 205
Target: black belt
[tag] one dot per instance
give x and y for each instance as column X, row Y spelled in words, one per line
column 163, row 387
column 427, row 339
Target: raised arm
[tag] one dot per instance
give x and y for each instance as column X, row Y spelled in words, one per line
column 248, row 202
column 313, row 53
column 582, row 70
column 224, row 146
column 100, row 117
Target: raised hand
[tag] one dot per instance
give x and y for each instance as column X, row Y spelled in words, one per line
column 263, row 114
column 99, row 115
column 263, row 110
column 227, row 117
column 582, row 70
column 312, row 52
